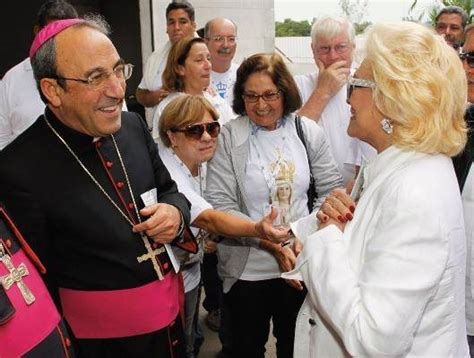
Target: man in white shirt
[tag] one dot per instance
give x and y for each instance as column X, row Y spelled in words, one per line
column 179, row 24
column 324, row 92
column 20, row 102
column 221, row 39
column 465, row 172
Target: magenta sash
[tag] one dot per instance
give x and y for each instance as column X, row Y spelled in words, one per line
column 121, row 313
column 30, row 324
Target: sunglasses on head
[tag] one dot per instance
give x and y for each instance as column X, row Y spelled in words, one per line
column 195, row 131
column 469, row 57
column 358, row 83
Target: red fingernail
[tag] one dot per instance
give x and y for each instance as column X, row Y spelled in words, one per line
column 352, row 208
column 340, row 218
column 325, row 218
column 349, row 216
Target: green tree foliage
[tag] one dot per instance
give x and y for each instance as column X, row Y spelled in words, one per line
column 292, row 28
column 355, row 11
column 360, row 27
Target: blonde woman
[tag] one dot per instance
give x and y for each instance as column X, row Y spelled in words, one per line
column 391, row 281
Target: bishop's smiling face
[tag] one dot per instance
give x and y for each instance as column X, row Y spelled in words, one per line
column 96, row 111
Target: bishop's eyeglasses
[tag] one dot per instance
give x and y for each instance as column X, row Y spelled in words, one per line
column 98, row 79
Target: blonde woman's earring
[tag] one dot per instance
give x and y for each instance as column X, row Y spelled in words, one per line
column 387, row 125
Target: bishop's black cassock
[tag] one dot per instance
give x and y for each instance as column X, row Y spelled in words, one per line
column 114, row 305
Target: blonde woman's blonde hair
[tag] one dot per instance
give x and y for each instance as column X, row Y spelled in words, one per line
column 421, row 87
column 182, row 112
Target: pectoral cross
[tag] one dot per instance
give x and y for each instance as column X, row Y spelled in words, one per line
column 15, row 276
column 151, row 255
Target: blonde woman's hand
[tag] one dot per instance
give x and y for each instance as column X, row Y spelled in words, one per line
column 337, row 208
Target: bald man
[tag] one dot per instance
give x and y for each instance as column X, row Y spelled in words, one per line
column 221, row 39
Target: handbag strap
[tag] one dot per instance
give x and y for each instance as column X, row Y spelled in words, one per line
column 299, row 131
column 311, row 191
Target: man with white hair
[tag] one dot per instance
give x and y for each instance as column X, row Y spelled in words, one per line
column 324, row 92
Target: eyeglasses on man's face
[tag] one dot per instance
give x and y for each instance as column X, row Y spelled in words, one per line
column 221, row 39
column 268, row 96
column 339, row 49
column 358, row 83
column 98, row 79
column 468, row 57
column 195, row 131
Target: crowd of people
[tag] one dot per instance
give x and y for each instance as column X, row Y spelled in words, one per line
column 335, row 207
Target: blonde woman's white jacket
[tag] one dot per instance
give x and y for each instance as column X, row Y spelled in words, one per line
column 393, row 283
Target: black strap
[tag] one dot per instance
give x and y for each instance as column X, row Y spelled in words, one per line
column 311, row 190
column 463, row 161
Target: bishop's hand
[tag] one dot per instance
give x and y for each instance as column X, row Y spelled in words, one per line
column 162, row 224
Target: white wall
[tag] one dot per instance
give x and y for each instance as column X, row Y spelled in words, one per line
column 255, row 20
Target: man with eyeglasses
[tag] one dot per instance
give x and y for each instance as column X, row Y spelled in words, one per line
column 20, row 103
column 94, row 200
column 465, row 173
column 221, row 39
column 324, row 92
column 450, row 23
column 179, row 24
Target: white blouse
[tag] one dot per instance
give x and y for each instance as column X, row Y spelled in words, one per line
column 393, row 282
column 191, row 187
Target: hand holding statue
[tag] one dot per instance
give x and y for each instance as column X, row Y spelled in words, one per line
column 267, row 231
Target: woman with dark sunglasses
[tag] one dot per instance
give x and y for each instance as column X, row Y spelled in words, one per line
column 260, row 163
column 390, row 281
column 189, row 129
column 188, row 70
